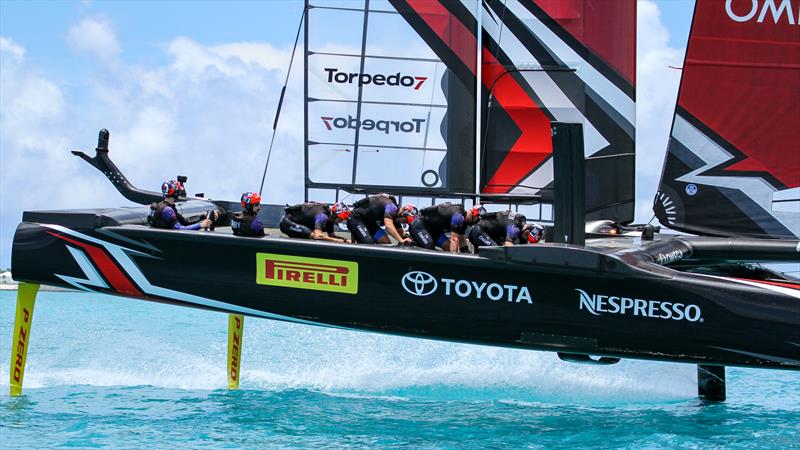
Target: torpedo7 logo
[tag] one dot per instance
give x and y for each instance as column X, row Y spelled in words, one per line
column 385, row 126
column 378, row 79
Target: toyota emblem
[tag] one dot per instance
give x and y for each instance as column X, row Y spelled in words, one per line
column 419, row 283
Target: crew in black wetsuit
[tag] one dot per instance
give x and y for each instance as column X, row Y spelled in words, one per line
column 367, row 217
column 247, row 223
column 164, row 214
column 430, row 226
column 500, row 228
column 314, row 220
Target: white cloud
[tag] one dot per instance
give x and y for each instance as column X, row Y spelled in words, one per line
column 656, row 92
column 10, row 49
column 28, row 101
column 206, row 113
column 94, row 37
column 193, row 59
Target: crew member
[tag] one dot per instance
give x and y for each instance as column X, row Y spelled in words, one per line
column 367, row 216
column 247, row 223
column 429, row 226
column 534, row 233
column 314, row 220
column 504, row 228
column 164, row 214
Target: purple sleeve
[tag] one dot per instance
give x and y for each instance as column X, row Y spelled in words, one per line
column 320, row 220
column 457, row 223
column 256, row 226
column 390, row 211
column 169, row 216
column 512, row 232
column 195, row 226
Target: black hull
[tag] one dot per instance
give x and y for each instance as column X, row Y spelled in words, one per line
column 547, row 297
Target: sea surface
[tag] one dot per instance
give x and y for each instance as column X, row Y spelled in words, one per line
column 120, row 373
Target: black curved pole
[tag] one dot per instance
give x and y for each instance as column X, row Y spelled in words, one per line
column 103, row 163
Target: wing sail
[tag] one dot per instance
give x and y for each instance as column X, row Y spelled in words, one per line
column 567, row 61
column 733, row 161
column 390, row 97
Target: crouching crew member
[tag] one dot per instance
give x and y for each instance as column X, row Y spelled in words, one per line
column 247, row 223
column 165, row 215
column 366, row 216
column 428, row 228
column 534, row 233
column 503, row 228
column 314, row 220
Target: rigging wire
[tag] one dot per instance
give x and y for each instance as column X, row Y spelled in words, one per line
column 280, row 102
column 427, row 126
column 490, row 95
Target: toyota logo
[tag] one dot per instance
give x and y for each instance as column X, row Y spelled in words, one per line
column 419, row 283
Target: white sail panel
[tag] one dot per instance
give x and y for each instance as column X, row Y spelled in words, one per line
column 382, row 96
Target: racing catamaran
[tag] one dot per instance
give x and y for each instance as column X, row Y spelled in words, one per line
column 520, row 102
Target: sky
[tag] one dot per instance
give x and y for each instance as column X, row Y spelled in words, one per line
column 190, row 88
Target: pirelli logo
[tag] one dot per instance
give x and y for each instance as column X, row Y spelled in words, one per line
column 307, row 273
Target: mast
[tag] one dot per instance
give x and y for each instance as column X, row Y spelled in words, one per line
column 478, row 100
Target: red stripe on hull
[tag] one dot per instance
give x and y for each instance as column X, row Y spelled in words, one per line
column 795, row 286
column 119, row 282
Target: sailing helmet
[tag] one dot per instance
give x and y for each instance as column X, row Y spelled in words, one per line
column 534, row 233
column 477, row 211
column 172, row 188
column 340, row 210
column 251, row 200
column 409, row 211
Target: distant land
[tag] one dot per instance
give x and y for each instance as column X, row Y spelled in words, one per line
column 7, row 283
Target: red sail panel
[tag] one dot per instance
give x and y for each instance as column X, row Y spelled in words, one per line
column 533, row 144
column 606, row 27
column 742, row 80
column 453, row 33
column 733, row 162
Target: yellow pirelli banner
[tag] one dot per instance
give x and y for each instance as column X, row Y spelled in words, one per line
column 26, row 299
column 307, row 273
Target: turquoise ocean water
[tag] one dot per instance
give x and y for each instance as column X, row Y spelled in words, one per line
column 112, row 372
